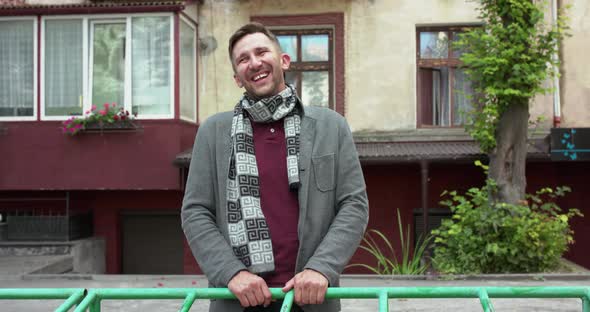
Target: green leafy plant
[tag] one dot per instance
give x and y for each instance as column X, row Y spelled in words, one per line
column 109, row 115
column 530, row 236
column 387, row 261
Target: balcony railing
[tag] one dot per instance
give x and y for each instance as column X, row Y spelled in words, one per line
column 90, row 299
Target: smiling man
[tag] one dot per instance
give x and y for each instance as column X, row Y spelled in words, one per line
column 275, row 195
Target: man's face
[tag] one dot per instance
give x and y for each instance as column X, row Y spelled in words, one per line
column 259, row 65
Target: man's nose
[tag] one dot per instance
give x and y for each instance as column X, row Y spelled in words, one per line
column 255, row 62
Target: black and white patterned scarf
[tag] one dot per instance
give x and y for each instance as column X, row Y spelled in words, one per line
column 248, row 231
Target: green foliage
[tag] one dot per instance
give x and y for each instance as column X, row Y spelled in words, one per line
column 387, row 262
column 507, row 61
column 502, row 238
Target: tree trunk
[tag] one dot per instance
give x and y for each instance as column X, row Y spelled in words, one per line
column 508, row 159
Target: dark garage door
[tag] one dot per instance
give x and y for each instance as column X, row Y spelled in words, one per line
column 152, row 244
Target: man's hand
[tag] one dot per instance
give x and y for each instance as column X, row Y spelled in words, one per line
column 310, row 287
column 250, row 289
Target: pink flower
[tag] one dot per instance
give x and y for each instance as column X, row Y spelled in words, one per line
column 113, row 104
column 106, row 106
column 87, row 112
column 103, row 112
column 72, row 130
column 93, row 108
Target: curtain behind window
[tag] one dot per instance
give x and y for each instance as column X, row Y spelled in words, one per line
column 187, row 71
column 151, row 65
column 63, row 67
column 16, row 68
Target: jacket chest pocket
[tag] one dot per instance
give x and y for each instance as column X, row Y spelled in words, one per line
column 323, row 168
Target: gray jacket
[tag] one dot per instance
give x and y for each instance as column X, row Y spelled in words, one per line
column 333, row 205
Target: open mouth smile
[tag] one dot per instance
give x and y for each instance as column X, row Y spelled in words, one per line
column 260, row 76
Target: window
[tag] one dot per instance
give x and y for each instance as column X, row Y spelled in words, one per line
column 188, row 71
column 18, row 49
column 315, row 43
column 311, row 64
column 443, row 91
column 125, row 60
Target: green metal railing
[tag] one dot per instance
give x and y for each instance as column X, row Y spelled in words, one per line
column 90, row 299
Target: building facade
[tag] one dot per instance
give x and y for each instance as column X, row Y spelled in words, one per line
column 386, row 65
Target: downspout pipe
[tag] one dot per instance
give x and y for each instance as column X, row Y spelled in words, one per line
column 556, row 86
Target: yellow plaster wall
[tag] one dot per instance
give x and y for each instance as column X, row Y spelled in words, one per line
column 575, row 80
column 380, row 56
column 380, row 65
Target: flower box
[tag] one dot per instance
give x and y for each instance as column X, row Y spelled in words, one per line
column 110, row 118
column 119, row 126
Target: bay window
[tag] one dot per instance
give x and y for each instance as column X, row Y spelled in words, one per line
column 93, row 60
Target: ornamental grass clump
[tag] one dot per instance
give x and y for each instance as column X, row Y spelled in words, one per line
column 109, row 115
column 387, row 263
column 484, row 238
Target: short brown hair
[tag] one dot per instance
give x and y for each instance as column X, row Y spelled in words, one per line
column 248, row 29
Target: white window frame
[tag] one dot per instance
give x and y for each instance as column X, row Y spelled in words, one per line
column 35, row 68
column 194, row 28
column 87, row 19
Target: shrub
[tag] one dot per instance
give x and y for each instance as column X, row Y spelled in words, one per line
column 502, row 238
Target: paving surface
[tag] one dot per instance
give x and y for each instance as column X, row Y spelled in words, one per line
column 350, row 305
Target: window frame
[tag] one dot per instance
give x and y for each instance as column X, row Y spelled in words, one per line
column 86, row 66
column 192, row 25
column 300, row 66
column 35, row 20
column 451, row 62
column 334, row 21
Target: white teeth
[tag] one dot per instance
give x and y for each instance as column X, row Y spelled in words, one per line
column 257, row 77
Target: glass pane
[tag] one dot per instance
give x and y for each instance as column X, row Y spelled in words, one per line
column 315, row 88
column 462, row 97
column 314, row 48
column 289, row 46
column 434, row 45
column 63, row 67
column 292, row 78
column 16, row 68
column 151, row 66
column 187, row 71
column 456, row 52
column 108, row 64
column 434, row 96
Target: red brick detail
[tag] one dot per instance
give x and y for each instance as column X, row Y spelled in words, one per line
column 333, row 19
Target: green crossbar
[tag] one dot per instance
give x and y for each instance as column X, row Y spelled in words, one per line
column 90, row 299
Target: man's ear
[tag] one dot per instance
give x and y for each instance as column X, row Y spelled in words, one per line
column 238, row 81
column 285, row 61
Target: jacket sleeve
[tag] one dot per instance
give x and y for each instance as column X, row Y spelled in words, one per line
column 352, row 212
column 211, row 250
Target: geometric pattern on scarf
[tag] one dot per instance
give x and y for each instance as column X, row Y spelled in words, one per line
column 247, row 228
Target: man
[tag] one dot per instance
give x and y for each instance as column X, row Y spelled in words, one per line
column 275, row 195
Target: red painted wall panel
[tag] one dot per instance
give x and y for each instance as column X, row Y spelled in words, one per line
column 36, row 156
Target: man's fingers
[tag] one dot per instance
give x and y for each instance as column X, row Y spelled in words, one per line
column 251, row 299
column 320, row 293
column 267, row 295
column 289, row 285
column 258, row 295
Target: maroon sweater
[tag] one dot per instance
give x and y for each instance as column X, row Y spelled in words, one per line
column 279, row 205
